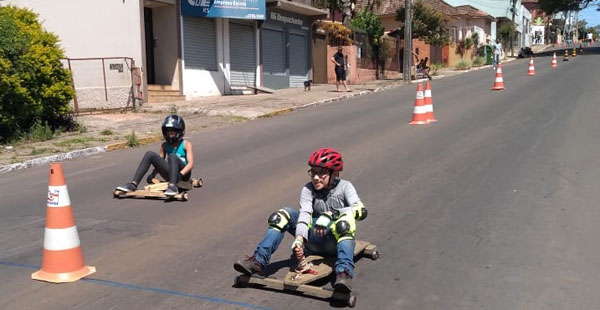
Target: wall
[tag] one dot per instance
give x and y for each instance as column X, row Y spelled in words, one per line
column 88, row 28
column 389, row 22
column 165, row 51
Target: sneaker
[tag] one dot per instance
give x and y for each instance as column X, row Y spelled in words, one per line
column 129, row 187
column 343, row 282
column 172, row 190
column 248, row 266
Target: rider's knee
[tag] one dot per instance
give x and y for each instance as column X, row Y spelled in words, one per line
column 344, row 228
column 279, row 220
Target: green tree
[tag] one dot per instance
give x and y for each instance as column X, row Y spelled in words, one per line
column 370, row 23
column 506, row 32
column 555, row 6
column 427, row 24
column 34, row 86
column 331, row 5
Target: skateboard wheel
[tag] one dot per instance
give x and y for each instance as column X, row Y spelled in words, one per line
column 238, row 281
column 375, row 255
column 352, row 301
column 184, row 196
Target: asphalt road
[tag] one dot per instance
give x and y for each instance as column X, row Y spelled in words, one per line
column 493, row 207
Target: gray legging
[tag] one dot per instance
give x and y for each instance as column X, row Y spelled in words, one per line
column 168, row 169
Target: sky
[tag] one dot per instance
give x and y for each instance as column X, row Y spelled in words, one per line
column 591, row 16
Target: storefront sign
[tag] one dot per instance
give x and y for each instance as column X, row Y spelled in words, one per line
column 241, row 9
column 286, row 19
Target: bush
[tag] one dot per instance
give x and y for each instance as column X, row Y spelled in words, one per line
column 435, row 67
column 41, row 132
column 106, row 132
column 34, row 86
column 478, row 61
column 132, row 140
column 463, row 64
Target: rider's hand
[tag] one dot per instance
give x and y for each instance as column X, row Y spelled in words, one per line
column 298, row 243
column 320, row 231
column 150, row 177
column 322, row 223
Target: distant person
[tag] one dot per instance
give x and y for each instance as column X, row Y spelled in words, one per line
column 340, row 69
column 497, row 53
column 423, row 68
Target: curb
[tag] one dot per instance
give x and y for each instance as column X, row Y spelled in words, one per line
column 328, row 100
column 54, row 158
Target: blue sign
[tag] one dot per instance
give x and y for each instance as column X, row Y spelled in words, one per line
column 242, row 9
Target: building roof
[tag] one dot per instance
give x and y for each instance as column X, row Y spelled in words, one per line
column 389, row 7
column 472, row 12
column 380, row 7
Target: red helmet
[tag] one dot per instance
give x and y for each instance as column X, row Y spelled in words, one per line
column 327, row 158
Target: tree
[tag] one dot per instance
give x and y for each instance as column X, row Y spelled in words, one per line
column 370, row 23
column 427, row 24
column 331, row 5
column 34, row 86
column 555, row 6
column 506, row 32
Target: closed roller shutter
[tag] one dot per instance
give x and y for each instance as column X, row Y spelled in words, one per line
column 242, row 53
column 298, row 60
column 199, row 43
column 273, row 52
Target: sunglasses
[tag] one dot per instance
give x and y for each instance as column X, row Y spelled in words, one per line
column 321, row 173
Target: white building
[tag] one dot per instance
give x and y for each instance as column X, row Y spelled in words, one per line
column 179, row 49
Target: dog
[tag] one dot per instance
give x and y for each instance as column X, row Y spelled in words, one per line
column 307, row 85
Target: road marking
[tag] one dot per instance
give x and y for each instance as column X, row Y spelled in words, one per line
column 151, row 289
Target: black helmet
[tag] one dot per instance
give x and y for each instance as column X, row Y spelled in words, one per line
column 173, row 122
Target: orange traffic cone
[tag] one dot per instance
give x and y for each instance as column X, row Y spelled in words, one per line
column 62, row 260
column 531, row 70
column 498, row 82
column 428, row 101
column 554, row 62
column 419, row 112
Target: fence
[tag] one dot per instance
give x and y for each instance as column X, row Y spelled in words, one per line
column 101, row 84
column 389, row 57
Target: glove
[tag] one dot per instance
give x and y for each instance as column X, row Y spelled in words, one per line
column 298, row 242
column 324, row 221
column 322, row 224
column 298, row 248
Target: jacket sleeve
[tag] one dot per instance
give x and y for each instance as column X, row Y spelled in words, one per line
column 306, row 210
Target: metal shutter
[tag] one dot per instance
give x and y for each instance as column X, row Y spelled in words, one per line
column 273, row 52
column 242, row 54
column 199, row 43
column 298, row 60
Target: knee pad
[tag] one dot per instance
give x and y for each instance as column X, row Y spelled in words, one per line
column 344, row 228
column 278, row 220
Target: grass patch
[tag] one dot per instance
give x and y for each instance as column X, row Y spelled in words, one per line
column 41, row 132
column 132, row 140
column 463, row 64
column 106, row 132
column 38, row 151
column 80, row 140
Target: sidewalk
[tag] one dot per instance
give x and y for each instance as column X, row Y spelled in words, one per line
column 106, row 132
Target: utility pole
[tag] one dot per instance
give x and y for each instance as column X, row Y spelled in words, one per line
column 512, row 37
column 407, row 42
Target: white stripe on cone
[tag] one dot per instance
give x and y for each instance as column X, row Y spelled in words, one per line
column 61, row 239
column 58, row 196
column 419, row 95
column 420, row 109
column 498, row 79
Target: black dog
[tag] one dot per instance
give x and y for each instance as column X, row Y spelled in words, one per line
column 307, row 85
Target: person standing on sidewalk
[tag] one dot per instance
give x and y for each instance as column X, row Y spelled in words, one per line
column 497, row 53
column 340, row 69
